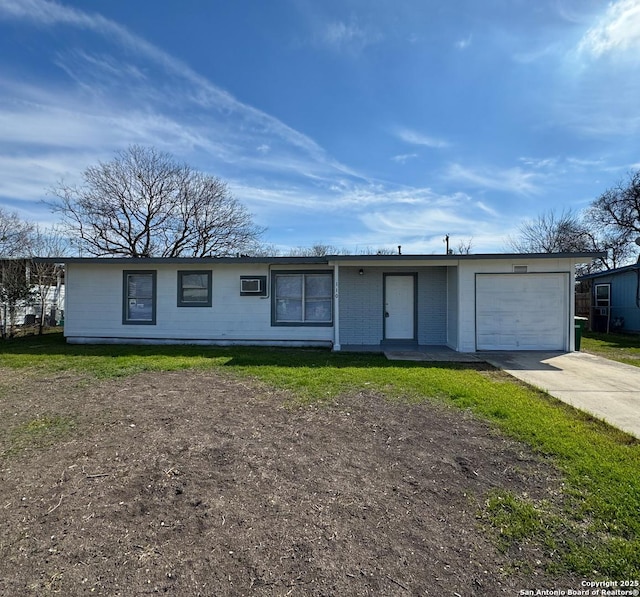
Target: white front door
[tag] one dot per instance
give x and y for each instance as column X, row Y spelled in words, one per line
column 399, row 307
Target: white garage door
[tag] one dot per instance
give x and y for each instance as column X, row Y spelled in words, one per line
column 522, row 311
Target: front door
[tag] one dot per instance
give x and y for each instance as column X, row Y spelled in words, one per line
column 399, row 308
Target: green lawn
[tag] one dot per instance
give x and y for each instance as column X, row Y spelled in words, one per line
column 596, row 533
column 619, row 347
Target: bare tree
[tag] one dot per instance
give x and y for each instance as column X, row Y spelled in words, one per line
column 464, row 247
column 15, row 292
column 377, row 251
column 616, row 247
column 618, row 208
column 14, row 287
column 144, row 204
column 615, row 215
column 551, row 232
column 315, row 250
column 570, row 232
column 321, row 250
column 14, row 234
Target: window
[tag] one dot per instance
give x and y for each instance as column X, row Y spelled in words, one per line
column 194, row 288
column 139, row 297
column 302, row 298
column 602, row 295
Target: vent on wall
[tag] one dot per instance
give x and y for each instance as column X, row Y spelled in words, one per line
column 253, row 286
column 520, row 269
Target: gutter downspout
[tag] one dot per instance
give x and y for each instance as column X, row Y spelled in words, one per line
column 336, row 308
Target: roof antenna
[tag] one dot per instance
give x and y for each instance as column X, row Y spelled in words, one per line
column 399, row 249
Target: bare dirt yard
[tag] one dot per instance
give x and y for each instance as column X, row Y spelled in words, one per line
column 202, row 483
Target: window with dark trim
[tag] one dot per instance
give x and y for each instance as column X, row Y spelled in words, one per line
column 194, row 288
column 139, row 297
column 602, row 295
column 302, row 298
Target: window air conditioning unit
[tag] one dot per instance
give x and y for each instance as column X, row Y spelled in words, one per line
column 251, row 285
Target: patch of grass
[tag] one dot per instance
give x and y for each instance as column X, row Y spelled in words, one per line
column 587, row 556
column 38, row 433
column 515, row 518
column 596, row 534
column 50, row 353
column 618, row 347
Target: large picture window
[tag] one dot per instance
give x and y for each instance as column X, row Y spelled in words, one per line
column 302, row 298
column 194, row 288
column 139, row 294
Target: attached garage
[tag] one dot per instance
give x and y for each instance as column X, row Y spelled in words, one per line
column 522, row 311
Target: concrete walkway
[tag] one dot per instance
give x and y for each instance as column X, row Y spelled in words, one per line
column 606, row 389
column 433, row 354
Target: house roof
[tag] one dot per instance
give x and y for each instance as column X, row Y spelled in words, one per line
column 587, row 256
column 611, row 272
column 327, row 259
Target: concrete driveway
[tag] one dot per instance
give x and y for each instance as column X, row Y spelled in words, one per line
column 606, row 389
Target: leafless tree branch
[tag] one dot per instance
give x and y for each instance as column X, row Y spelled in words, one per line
column 144, row 204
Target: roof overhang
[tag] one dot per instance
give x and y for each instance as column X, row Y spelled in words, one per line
column 183, row 260
column 579, row 257
column 611, row 272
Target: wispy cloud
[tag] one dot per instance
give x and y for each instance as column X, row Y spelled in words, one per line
column 422, row 228
column 130, row 91
column 512, row 180
column 539, row 163
column 144, row 96
column 26, row 177
column 416, row 218
column 278, row 172
column 405, row 157
column 561, row 164
column 617, row 30
column 200, row 91
column 351, row 36
column 416, row 138
column 598, row 92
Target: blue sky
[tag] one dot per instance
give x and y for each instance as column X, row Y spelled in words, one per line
column 355, row 123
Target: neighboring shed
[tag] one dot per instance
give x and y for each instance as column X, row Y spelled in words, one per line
column 347, row 302
column 615, row 299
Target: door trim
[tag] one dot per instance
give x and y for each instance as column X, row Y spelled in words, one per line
column 413, row 275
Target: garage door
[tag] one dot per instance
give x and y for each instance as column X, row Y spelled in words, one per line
column 522, row 311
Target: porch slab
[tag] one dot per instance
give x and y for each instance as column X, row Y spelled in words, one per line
column 441, row 354
column 413, row 352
